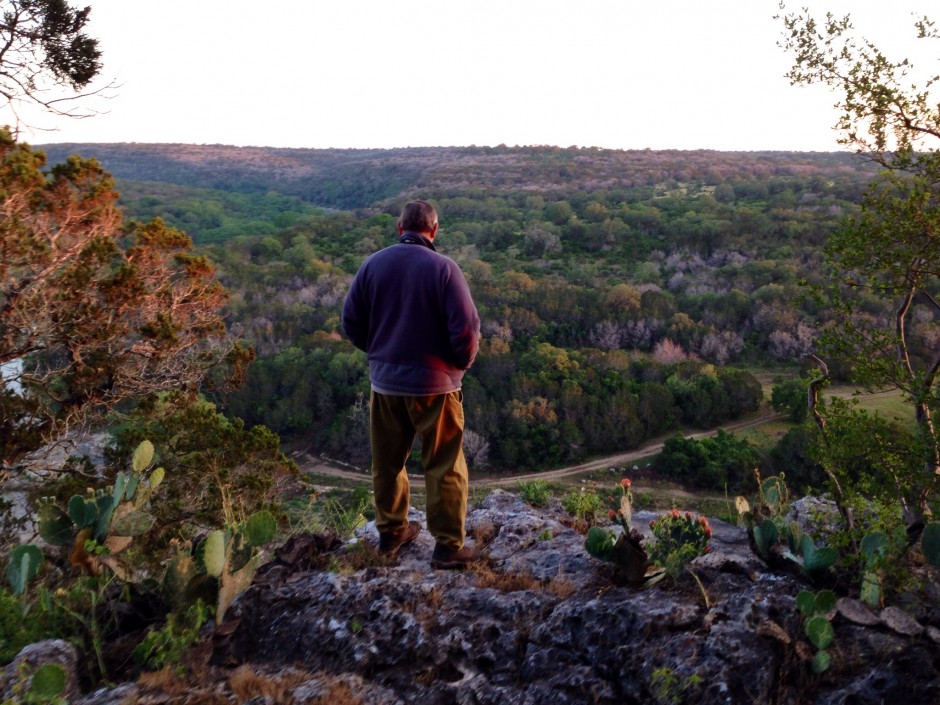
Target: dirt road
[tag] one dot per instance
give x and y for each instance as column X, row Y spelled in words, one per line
column 319, row 466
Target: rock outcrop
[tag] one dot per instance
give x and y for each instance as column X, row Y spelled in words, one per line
column 540, row 621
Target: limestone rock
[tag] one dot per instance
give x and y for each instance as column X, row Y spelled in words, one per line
column 32, row 657
column 856, row 612
column 901, row 622
column 540, row 622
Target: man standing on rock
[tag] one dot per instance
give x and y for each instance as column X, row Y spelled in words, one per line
column 410, row 309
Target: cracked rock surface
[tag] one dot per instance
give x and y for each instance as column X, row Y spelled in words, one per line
column 542, row 622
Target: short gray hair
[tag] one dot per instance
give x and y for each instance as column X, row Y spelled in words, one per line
column 418, row 217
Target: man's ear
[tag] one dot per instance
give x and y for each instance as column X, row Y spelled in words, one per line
column 433, row 231
column 400, row 228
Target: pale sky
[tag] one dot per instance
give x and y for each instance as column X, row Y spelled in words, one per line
column 663, row 74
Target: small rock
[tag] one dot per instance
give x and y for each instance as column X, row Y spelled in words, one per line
column 856, row 612
column 121, row 695
column 901, row 622
column 770, row 628
column 55, row 651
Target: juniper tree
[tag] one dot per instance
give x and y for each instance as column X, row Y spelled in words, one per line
column 46, row 58
column 94, row 314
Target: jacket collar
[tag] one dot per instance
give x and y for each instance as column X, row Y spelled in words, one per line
column 412, row 238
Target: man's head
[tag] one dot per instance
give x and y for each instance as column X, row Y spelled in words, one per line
column 418, row 217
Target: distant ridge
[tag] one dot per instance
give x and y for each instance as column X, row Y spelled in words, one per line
column 367, row 178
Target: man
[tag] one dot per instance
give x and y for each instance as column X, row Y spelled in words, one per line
column 410, row 309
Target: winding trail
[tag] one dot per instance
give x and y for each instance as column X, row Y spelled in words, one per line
column 323, row 466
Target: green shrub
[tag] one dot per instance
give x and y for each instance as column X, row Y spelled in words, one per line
column 710, row 463
column 584, row 504
column 19, row 627
column 167, row 646
column 535, row 492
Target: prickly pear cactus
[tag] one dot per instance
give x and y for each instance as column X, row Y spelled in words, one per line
column 143, row 457
column 260, row 528
column 214, row 553
column 775, row 494
column 25, row 561
column 816, row 561
column 133, row 523
column 55, row 526
column 765, row 535
column 83, row 512
column 874, row 549
column 600, row 543
column 112, row 516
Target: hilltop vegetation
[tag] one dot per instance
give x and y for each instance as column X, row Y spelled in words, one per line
column 351, row 179
column 615, row 287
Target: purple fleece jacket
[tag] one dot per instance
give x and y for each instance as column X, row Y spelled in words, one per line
column 410, row 309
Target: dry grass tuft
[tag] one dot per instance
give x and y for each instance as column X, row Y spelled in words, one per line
column 170, row 687
column 246, row 683
column 166, row 680
column 484, row 532
column 576, row 524
column 434, row 597
column 339, row 693
column 504, row 582
column 560, row 586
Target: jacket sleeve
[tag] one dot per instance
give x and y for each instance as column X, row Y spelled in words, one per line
column 463, row 321
column 355, row 317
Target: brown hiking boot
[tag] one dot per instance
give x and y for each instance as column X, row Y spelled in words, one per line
column 392, row 542
column 450, row 558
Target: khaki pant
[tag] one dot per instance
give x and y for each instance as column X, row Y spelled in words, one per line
column 438, row 421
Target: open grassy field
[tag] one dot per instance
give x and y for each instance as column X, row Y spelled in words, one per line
column 890, row 405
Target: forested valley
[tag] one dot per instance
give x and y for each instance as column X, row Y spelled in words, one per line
column 624, row 295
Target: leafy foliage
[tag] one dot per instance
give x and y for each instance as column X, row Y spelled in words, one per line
column 218, row 471
column 887, row 251
column 583, row 503
column 92, row 315
column 722, row 460
column 45, row 47
column 535, row 492
column 168, row 645
column 790, row 397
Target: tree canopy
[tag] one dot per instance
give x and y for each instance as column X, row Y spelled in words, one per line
column 92, row 314
column 890, row 250
column 43, row 49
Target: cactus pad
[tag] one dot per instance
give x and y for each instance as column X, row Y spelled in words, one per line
column 214, row 556
column 143, row 456
column 260, row 528
column 133, row 523
column 25, row 560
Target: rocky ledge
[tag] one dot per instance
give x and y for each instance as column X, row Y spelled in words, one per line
column 538, row 622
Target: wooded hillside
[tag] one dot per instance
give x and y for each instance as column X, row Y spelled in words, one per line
column 615, row 287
